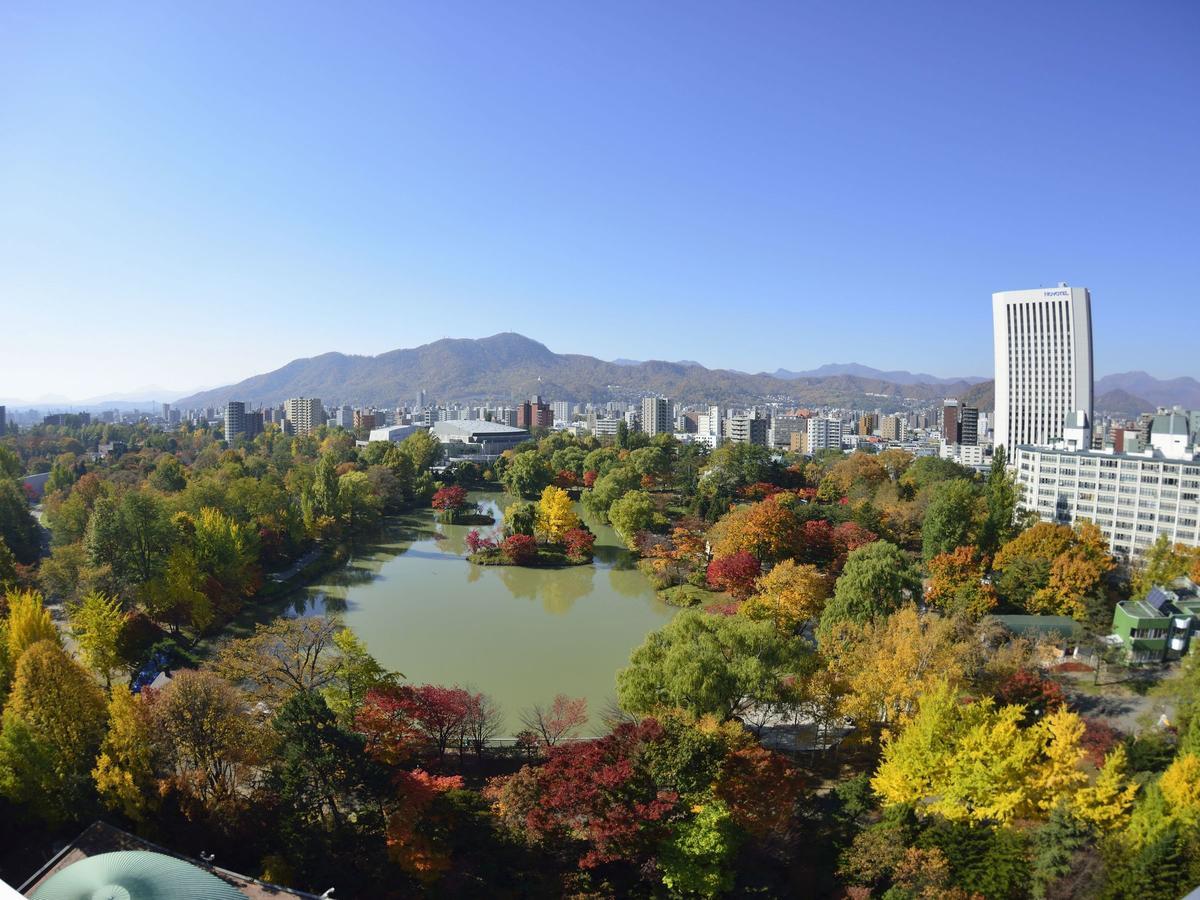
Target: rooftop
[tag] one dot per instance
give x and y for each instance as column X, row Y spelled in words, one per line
column 478, row 426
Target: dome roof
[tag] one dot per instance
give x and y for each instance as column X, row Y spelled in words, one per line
column 134, row 875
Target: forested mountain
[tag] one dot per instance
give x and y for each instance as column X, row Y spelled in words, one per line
column 509, row 366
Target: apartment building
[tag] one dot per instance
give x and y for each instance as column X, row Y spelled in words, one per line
column 305, row 413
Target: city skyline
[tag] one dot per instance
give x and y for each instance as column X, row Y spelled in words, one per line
column 663, row 175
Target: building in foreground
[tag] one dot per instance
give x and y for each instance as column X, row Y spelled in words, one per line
column 1159, row 627
column 1043, row 347
column 1134, row 497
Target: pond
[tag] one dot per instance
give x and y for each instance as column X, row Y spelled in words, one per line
column 520, row 635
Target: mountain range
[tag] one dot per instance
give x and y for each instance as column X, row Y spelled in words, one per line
column 509, row 366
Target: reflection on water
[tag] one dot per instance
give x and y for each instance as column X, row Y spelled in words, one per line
column 521, row 635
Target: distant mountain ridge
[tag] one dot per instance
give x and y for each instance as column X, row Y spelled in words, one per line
column 899, row 376
column 509, row 366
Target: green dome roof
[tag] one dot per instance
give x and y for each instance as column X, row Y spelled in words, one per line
column 135, row 875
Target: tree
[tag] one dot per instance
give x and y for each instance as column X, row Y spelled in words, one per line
column 1106, row 804
column 356, row 673
column 555, row 514
column 422, row 449
column 124, row 772
column 610, row 488
column 439, row 714
column 736, row 574
column 519, row 550
column 484, row 720
column 563, row 718
column 168, row 475
column 579, row 543
column 790, row 595
column 18, row 528
column 956, row 584
column 527, row 474
column 450, row 499
column 950, row 517
column 132, row 534
column 29, row 622
column 1001, row 495
column 226, row 555
column 719, row 665
column 96, row 624
column 1055, row 846
column 521, row 518
column 631, row 514
column 358, row 502
column 886, row 665
column 53, row 725
column 697, row 858
column 176, row 598
column 211, row 747
column 769, row 530
column 873, row 583
column 282, row 657
column 1162, row 564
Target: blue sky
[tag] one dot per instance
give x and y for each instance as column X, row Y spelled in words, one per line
column 193, row 193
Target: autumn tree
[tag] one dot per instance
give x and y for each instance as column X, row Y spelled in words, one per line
column 956, row 584
column 790, row 595
column 29, row 622
column 555, row 514
column 282, row 657
column 1162, row 563
column 52, row 727
column 211, row 747
column 560, row 721
column 887, row 664
column 1054, row 569
column 736, row 574
column 96, row 623
column 767, row 530
column 124, row 772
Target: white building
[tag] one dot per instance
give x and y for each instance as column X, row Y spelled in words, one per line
column 1043, row 347
column 824, row 434
column 393, row 433
column 470, row 439
column 305, row 413
column 969, row 455
column 562, row 411
column 708, row 425
column 656, row 416
column 1133, row 497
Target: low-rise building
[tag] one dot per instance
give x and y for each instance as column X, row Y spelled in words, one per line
column 472, row 440
column 1160, row 627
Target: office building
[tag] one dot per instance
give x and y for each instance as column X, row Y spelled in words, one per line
column 656, row 416
column 968, row 425
column 343, row 417
column 235, row 420
column 364, row 419
column 533, row 413
column 866, row 425
column 166, row 412
column 783, row 427
column 824, row 434
column 950, row 422
column 1043, row 350
column 561, row 410
column 305, row 413
column 1133, row 496
column 709, row 425
column 602, row 427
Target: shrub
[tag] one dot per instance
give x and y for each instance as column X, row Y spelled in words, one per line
column 579, row 542
column 519, row 549
column 477, row 542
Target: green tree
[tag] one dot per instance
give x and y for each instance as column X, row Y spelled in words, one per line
column 705, row 664
column 358, row 502
column 133, row 535
column 53, row 725
column 168, row 475
column 697, row 859
column 873, row 583
column 527, row 474
column 1002, row 495
column 631, row 514
column 950, row 517
column 18, row 529
column 356, row 672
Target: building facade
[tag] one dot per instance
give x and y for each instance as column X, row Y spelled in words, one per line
column 824, row 434
column 305, row 413
column 656, row 416
column 1132, row 497
column 1043, row 348
column 748, row 430
column 533, row 413
column 235, row 420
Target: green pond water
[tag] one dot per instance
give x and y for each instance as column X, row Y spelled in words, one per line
column 520, row 635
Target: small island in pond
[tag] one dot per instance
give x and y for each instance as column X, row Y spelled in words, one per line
column 545, row 534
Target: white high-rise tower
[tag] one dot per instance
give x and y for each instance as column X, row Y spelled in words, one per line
column 1043, row 363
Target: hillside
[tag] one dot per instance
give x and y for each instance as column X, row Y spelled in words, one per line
column 510, row 366
column 1183, row 391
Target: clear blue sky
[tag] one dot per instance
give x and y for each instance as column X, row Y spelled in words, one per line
column 194, row 194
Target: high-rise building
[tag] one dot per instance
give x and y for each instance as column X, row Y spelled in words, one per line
column 561, row 410
column 709, row 424
column 305, row 413
column 893, row 428
column 950, row 422
column 421, row 399
column 364, row 419
column 1043, row 347
column 343, row 417
column 656, row 415
column 166, row 412
column 533, row 413
column 968, row 425
column 782, row 429
column 235, row 420
column 824, row 434
column 3, row 420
